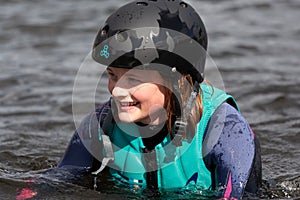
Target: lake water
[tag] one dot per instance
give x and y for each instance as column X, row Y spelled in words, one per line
column 255, row 45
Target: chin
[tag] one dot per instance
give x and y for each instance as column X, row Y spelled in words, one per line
column 125, row 117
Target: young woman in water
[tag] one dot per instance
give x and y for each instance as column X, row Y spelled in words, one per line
column 163, row 128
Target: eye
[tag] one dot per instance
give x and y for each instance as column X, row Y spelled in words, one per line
column 112, row 76
column 134, row 80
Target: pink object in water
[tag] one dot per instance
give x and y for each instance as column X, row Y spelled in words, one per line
column 228, row 188
column 26, row 193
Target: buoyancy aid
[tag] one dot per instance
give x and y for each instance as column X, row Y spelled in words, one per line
column 176, row 166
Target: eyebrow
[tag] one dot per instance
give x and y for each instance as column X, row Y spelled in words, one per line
column 108, row 70
column 133, row 75
column 127, row 74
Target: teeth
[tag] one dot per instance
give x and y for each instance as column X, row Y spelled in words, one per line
column 128, row 103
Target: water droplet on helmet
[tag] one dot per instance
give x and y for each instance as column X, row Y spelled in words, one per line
column 103, row 32
column 141, row 3
column 183, row 4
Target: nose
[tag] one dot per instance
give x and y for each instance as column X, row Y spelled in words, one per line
column 120, row 92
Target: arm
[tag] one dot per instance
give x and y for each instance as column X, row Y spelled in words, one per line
column 85, row 140
column 76, row 154
column 231, row 153
column 77, row 162
column 78, row 159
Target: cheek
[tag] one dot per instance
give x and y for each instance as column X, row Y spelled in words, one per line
column 161, row 98
column 152, row 96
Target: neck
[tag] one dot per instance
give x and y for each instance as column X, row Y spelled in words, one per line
column 152, row 135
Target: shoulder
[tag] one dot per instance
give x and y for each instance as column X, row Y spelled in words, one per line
column 104, row 107
column 228, row 116
column 227, row 126
column 102, row 111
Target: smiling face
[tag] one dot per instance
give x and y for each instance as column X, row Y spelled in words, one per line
column 138, row 95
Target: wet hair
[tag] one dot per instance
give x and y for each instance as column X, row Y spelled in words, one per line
column 185, row 84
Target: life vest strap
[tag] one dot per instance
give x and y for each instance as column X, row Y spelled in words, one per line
column 109, row 154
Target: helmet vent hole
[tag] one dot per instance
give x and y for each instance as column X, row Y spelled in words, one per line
column 183, row 4
column 141, row 3
column 104, row 31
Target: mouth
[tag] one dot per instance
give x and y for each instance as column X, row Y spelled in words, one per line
column 129, row 103
column 124, row 106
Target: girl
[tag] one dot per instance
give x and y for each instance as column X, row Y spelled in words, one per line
column 163, row 127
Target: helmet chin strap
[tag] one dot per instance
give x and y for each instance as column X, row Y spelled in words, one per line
column 181, row 122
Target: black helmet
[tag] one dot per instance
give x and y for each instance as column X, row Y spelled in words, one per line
column 168, row 32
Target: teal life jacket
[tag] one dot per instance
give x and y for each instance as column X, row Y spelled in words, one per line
column 177, row 166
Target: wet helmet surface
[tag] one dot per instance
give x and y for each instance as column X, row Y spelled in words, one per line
column 167, row 32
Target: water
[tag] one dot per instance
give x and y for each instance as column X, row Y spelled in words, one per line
column 254, row 44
